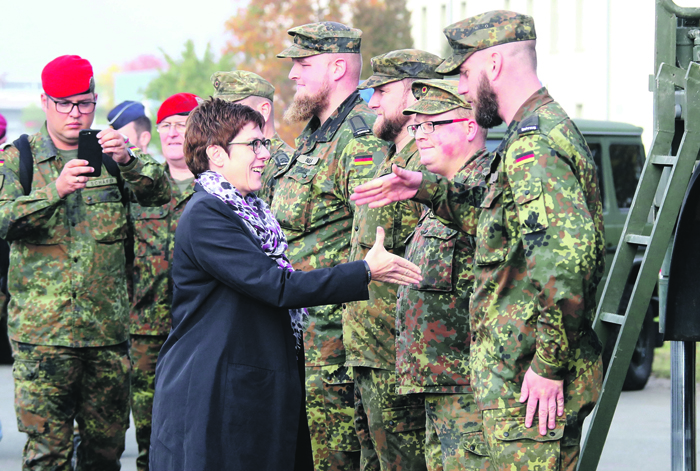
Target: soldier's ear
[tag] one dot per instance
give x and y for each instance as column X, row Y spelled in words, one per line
column 265, row 109
column 337, row 68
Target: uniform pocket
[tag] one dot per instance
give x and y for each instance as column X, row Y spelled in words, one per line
column 105, row 213
column 339, row 407
column 150, row 228
column 474, row 442
column 529, row 202
column 293, row 198
column 403, row 419
column 436, row 255
column 491, row 235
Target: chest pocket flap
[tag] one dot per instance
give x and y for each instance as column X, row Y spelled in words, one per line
column 106, row 213
column 435, row 255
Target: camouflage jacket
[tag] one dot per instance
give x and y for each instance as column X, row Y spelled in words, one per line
column 154, row 241
column 539, row 255
column 432, row 318
column 368, row 326
column 280, row 153
column 67, row 272
column 312, row 204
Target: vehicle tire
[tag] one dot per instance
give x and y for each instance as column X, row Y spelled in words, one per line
column 643, row 356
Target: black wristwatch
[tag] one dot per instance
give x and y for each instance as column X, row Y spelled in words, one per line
column 132, row 157
column 369, row 272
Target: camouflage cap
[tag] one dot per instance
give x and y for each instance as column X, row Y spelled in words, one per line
column 435, row 97
column 240, row 84
column 482, row 31
column 401, row 64
column 322, row 38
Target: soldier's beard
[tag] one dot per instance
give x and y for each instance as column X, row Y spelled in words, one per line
column 303, row 108
column 486, row 106
column 388, row 128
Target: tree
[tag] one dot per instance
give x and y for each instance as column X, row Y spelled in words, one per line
column 385, row 25
column 258, row 34
column 188, row 74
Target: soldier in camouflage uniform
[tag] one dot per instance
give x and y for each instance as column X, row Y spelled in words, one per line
column 432, row 318
column 539, row 255
column 391, row 427
column 154, row 241
column 335, row 152
column 69, row 313
column 252, row 90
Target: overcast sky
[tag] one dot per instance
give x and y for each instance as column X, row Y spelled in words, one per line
column 106, row 32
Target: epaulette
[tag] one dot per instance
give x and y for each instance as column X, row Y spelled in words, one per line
column 529, row 124
column 359, row 127
column 281, row 159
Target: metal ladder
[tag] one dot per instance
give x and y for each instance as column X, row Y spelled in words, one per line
column 664, row 179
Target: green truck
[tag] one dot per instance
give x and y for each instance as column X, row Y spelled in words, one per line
column 619, row 156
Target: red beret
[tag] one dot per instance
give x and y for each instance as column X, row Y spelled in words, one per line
column 180, row 103
column 66, row 76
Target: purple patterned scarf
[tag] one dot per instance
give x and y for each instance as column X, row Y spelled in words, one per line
column 257, row 216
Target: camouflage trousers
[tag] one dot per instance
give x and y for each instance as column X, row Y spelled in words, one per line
column 330, row 410
column 454, row 433
column 55, row 386
column 391, row 427
column 144, row 351
column 512, row 446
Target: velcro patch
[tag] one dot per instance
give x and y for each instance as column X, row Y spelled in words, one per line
column 364, row 160
column 101, row 182
column 524, row 159
column 529, row 124
column 306, row 160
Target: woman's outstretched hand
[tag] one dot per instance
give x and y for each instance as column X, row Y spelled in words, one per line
column 390, row 268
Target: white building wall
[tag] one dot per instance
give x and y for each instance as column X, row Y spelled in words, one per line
column 594, row 56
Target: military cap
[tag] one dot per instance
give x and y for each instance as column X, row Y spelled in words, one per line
column 124, row 113
column 67, row 76
column 435, row 97
column 482, row 31
column 180, row 104
column 401, row 64
column 240, row 84
column 322, row 38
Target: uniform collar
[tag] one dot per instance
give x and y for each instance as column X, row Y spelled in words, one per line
column 44, row 148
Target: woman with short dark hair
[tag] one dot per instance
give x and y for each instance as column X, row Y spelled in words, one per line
column 229, row 380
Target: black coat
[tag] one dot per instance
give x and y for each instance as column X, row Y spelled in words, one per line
column 229, row 390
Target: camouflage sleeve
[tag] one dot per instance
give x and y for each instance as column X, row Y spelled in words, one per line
column 21, row 215
column 147, row 180
column 358, row 163
column 453, row 202
column 558, row 239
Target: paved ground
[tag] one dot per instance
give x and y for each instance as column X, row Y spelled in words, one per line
column 639, row 439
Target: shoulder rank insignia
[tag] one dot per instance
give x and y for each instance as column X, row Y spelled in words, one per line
column 359, row 127
column 529, row 124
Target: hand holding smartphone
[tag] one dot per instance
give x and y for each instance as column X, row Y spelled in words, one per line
column 89, row 149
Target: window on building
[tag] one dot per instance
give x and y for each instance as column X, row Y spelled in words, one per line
column 554, row 26
column 579, row 26
column 463, row 10
column 424, row 28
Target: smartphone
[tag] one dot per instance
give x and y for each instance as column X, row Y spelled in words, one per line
column 89, row 149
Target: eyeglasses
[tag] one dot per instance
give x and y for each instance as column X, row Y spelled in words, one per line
column 429, row 126
column 164, row 128
column 66, row 107
column 255, row 144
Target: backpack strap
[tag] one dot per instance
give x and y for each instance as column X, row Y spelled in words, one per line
column 26, row 163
